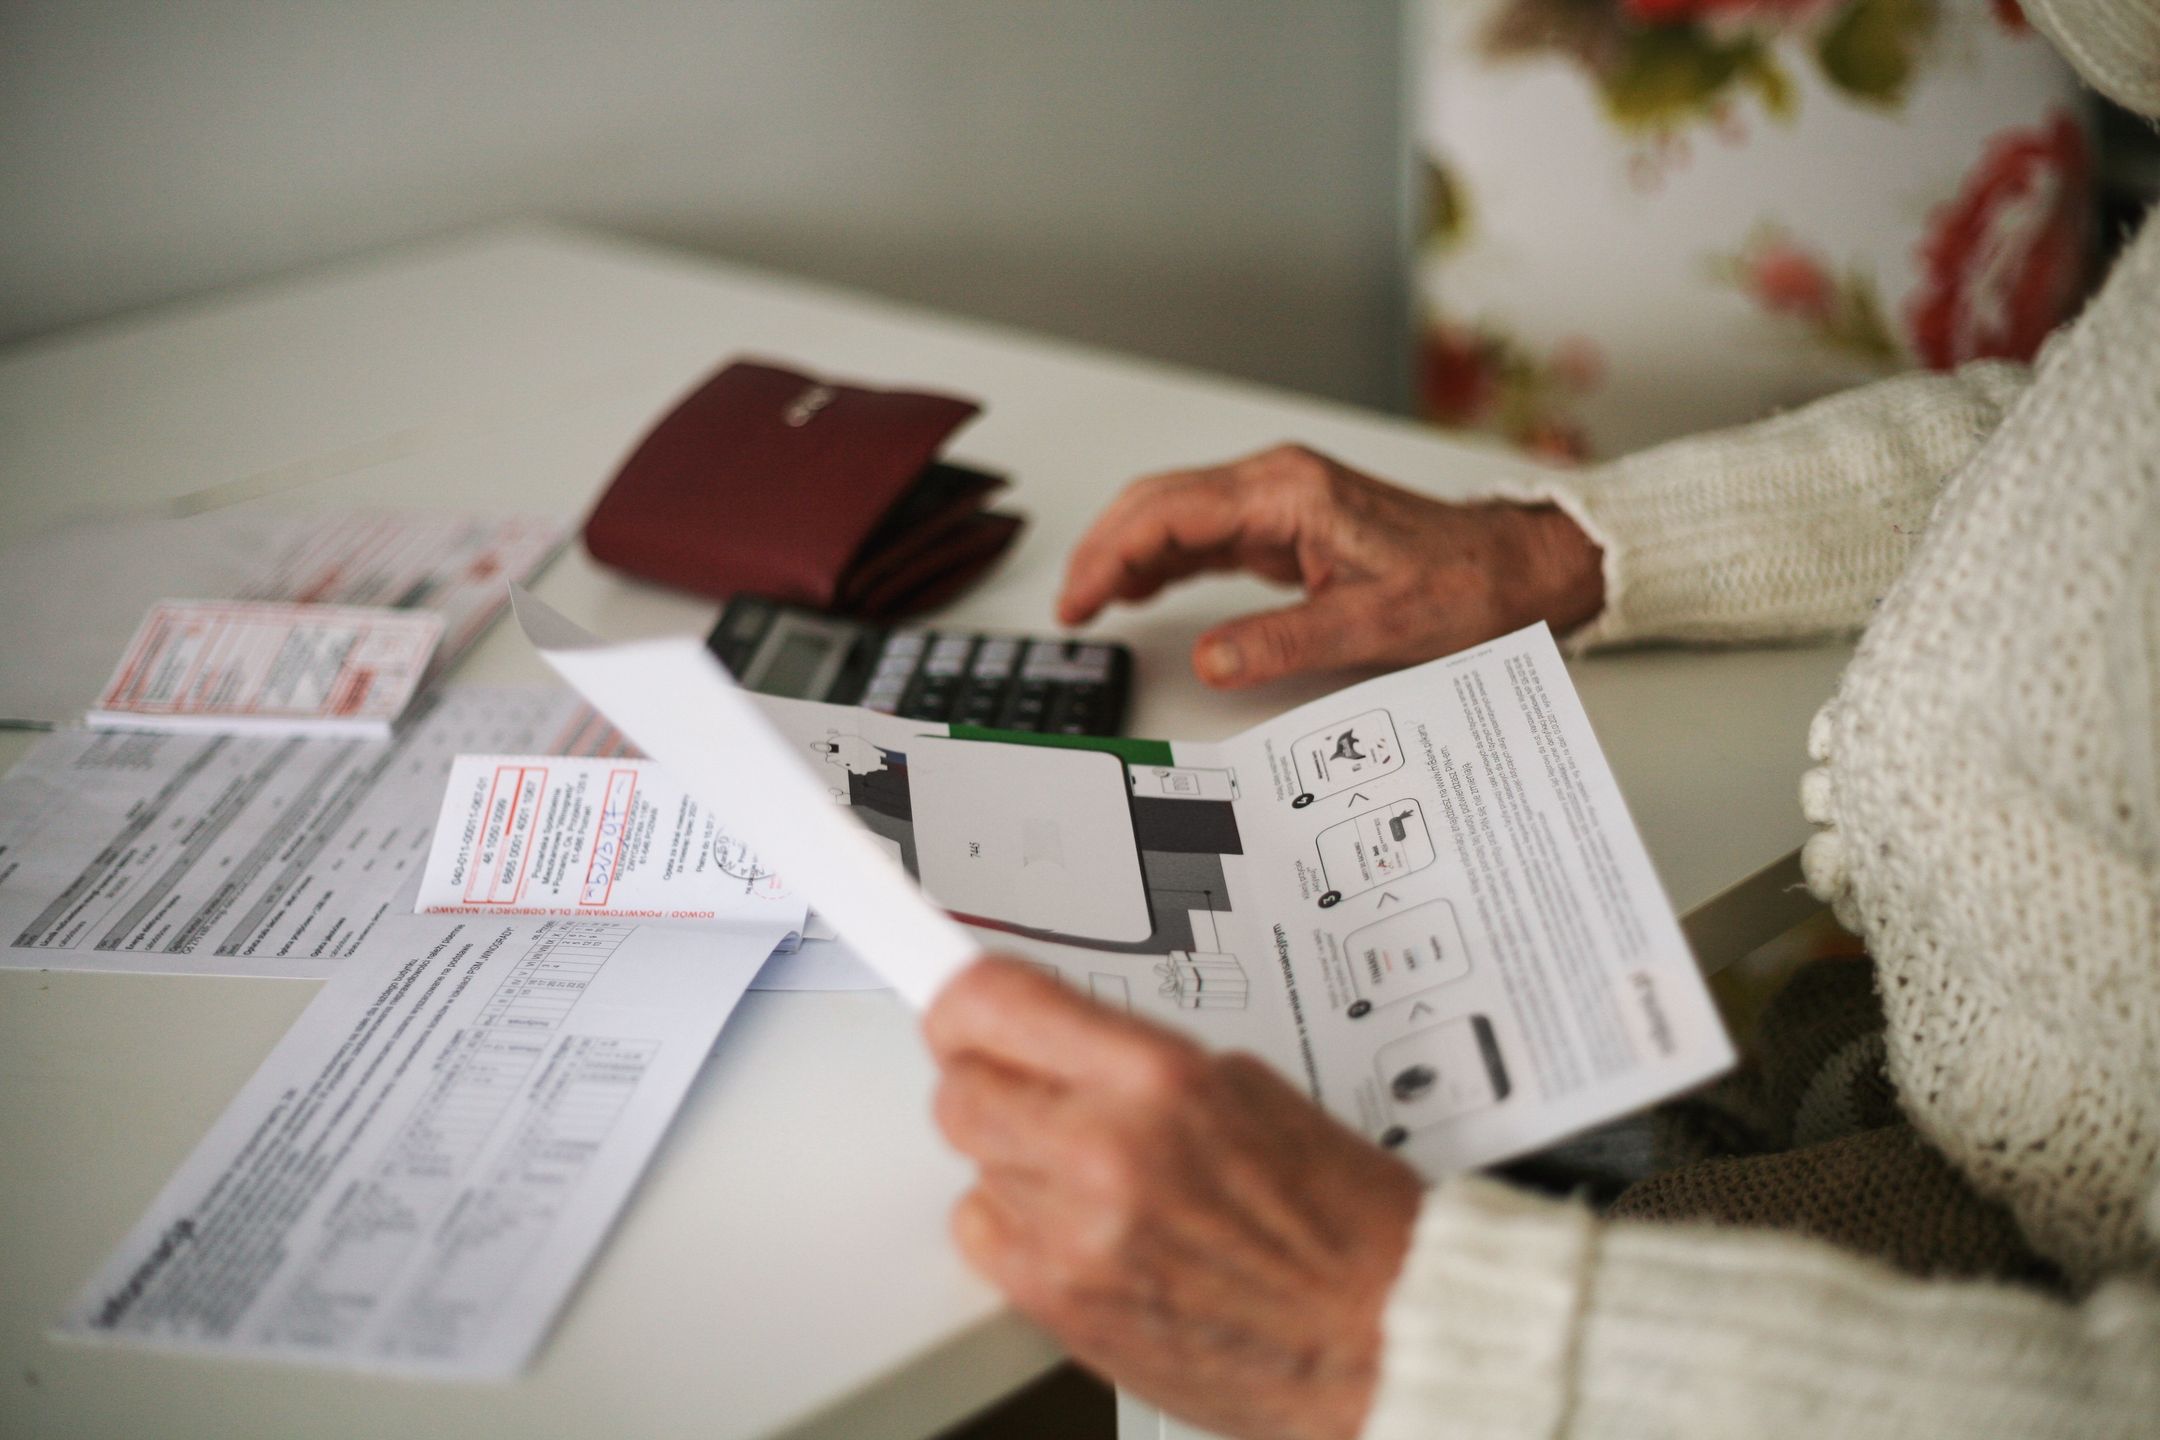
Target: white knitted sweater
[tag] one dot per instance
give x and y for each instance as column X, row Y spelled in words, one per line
column 1990, row 779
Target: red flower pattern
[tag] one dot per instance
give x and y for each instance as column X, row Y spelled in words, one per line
column 1789, row 281
column 1457, row 377
column 1470, row 378
column 2005, row 261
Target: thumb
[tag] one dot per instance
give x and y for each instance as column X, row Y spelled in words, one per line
column 1317, row 634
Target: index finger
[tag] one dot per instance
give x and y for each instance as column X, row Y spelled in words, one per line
column 1013, row 1013
column 1150, row 535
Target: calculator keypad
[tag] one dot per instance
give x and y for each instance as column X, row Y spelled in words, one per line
column 1001, row 682
column 1059, row 686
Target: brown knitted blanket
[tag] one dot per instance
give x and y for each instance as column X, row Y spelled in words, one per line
column 1809, row 1138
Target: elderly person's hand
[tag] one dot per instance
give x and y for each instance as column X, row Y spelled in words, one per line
column 1390, row 578
column 1187, row 1224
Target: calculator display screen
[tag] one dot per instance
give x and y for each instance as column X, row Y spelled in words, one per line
column 795, row 662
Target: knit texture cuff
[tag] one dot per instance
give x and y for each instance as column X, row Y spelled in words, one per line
column 1791, row 527
column 1554, row 489
column 1480, row 1329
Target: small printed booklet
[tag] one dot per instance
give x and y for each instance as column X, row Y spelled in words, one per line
column 56, row 658
column 269, row 668
column 581, row 839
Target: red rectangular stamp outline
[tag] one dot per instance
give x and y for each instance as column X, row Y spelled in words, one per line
column 626, row 782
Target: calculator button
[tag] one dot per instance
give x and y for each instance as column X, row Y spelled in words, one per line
column 949, row 656
column 995, row 659
column 905, row 642
column 1059, row 661
column 980, row 705
column 1077, row 706
column 896, row 666
column 1029, row 708
column 742, row 625
column 932, row 700
column 1093, row 661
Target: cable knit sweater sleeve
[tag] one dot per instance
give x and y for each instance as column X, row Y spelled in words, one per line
column 1798, row 525
column 1518, row 1316
column 1790, row 527
column 1990, row 777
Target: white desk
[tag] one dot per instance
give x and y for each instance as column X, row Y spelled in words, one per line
column 784, row 1269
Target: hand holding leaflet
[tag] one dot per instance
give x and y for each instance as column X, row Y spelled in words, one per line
column 678, row 705
column 1421, row 898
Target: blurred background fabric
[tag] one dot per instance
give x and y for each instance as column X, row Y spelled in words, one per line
column 1645, row 218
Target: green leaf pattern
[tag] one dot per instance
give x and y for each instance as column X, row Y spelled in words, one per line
column 1873, row 47
column 1661, row 65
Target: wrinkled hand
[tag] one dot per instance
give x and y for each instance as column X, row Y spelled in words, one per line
column 1187, row 1224
column 1390, row 578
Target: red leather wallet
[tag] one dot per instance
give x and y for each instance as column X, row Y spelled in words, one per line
column 774, row 482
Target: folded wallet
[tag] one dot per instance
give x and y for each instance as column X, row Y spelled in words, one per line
column 776, row 483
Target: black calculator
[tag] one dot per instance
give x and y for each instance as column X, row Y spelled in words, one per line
column 1004, row 682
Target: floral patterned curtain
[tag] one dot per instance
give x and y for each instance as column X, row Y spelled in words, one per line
column 1648, row 217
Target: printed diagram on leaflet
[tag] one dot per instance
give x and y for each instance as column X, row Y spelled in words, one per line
column 1203, row 981
column 1442, row 1065
column 1439, row 1072
column 1349, row 753
column 1067, row 845
column 1370, row 850
column 1123, row 865
column 1405, row 954
column 1187, row 980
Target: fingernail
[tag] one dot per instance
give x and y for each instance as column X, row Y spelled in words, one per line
column 1220, row 660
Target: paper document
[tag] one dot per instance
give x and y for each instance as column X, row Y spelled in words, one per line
column 74, row 594
column 583, row 839
column 418, row 1174
column 227, row 855
column 674, row 701
column 262, row 668
column 453, row 564
column 221, row 856
column 825, row 965
column 1422, row 898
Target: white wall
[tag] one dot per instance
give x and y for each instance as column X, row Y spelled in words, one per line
column 1211, row 181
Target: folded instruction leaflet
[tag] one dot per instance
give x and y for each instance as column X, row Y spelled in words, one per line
column 1422, row 898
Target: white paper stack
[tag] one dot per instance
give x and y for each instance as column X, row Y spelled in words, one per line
column 262, row 668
